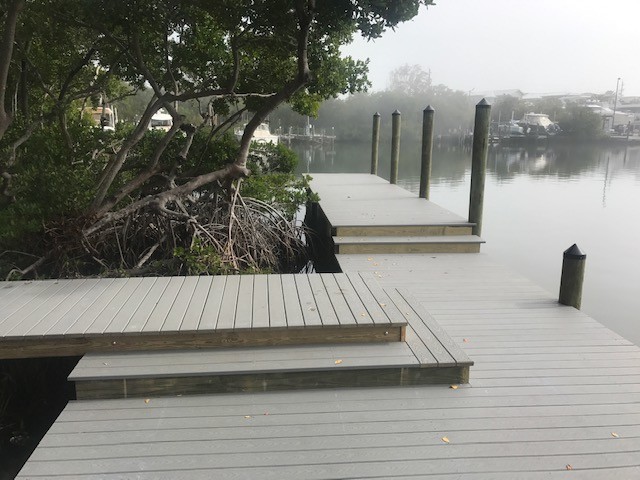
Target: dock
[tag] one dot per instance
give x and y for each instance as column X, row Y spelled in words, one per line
column 543, row 391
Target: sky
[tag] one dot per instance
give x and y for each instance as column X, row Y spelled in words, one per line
column 541, row 46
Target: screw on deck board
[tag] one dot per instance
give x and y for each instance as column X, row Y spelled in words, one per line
column 427, row 149
column 573, row 263
column 479, row 164
column 375, row 140
column 395, row 147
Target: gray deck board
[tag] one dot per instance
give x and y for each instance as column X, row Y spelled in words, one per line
column 227, row 315
column 244, row 309
column 158, row 315
column 148, row 303
column 307, row 301
column 260, row 311
column 321, row 297
column 211, row 309
column 176, row 314
column 193, row 314
column 358, row 310
column 292, row 307
column 340, row 306
column 277, row 313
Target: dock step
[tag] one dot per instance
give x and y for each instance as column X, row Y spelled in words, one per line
column 426, row 356
column 402, row 230
column 408, row 244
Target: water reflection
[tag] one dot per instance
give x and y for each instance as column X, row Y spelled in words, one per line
column 538, row 201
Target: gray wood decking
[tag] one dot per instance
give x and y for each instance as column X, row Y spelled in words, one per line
column 551, row 389
column 72, row 317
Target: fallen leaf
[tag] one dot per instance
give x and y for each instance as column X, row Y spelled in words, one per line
column 375, row 264
column 569, row 467
column 465, row 340
column 454, row 387
column 146, row 400
column 383, row 304
column 369, row 259
column 338, row 362
column 614, row 435
column 445, row 440
column 266, row 413
column 247, row 416
column 363, row 314
column 313, row 309
column 379, row 276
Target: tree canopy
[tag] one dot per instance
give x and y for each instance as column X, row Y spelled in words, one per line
column 230, row 56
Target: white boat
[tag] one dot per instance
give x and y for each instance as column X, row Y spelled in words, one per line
column 261, row 135
column 161, row 120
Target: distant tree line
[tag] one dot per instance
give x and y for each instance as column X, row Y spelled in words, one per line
column 410, row 90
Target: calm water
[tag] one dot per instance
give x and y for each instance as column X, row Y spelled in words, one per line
column 538, row 202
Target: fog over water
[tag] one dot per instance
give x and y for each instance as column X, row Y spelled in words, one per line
column 538, row 202
column 544, row 46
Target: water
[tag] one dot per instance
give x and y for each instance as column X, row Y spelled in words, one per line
column 538, row 202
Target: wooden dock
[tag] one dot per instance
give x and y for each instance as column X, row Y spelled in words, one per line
column 553, row 395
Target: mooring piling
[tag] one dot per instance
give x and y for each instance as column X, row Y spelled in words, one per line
column 427, row 149
column 572, row 278
column 375, row 141
column 395, row 147
column 479, row 164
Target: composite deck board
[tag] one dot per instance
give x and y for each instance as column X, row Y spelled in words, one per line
column 307, row 301
column 24, row 322
column 227, row 315
column 375, row 307
column 129, row 308
column 244, row 309
column 260, row 304
column 158, row 315
column 212, row 306
column 292, row 307
column 176, row 314
column 277, row 313
column 193, row 314
column 340, row 306
column 72, row 317
column 358, row 310
column 148, row 303
column 321, row 297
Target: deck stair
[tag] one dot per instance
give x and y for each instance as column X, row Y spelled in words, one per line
column 365, row 214
column 426, row 356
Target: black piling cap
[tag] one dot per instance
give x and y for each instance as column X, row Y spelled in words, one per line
column 376, row 114
column 483, row 103
column 574, row 253
column 429, row 109
column 397, row 112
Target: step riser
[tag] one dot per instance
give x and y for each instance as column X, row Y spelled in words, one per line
column 409, row 231
column 409, row 248
column 259, row 382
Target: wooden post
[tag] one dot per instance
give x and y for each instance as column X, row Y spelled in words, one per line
column 427, row 149
column 573, row 263
column 479, row 164
column 395, row 147
column 375, row 140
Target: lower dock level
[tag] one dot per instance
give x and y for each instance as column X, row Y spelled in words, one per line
column 552, row 390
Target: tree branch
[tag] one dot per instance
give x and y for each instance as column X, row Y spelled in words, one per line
column 6, row 53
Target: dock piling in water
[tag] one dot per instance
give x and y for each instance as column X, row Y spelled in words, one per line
column 395, row 147
column 427, row 148
column 573, row 263
column 375, row 140
column 479, row 164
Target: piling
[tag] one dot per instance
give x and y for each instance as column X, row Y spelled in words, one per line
column 573, row 263
column 395, row 147
column 375, row 141
column 479, row 164
column 427, row 149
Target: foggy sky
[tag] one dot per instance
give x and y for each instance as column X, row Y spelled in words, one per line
column 539, row 46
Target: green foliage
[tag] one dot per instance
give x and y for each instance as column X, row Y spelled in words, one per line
column 580, row 122
column 285, row 191
column 202, row 260
column 270, row 158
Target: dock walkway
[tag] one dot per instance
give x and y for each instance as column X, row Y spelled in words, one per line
column 553, row 395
